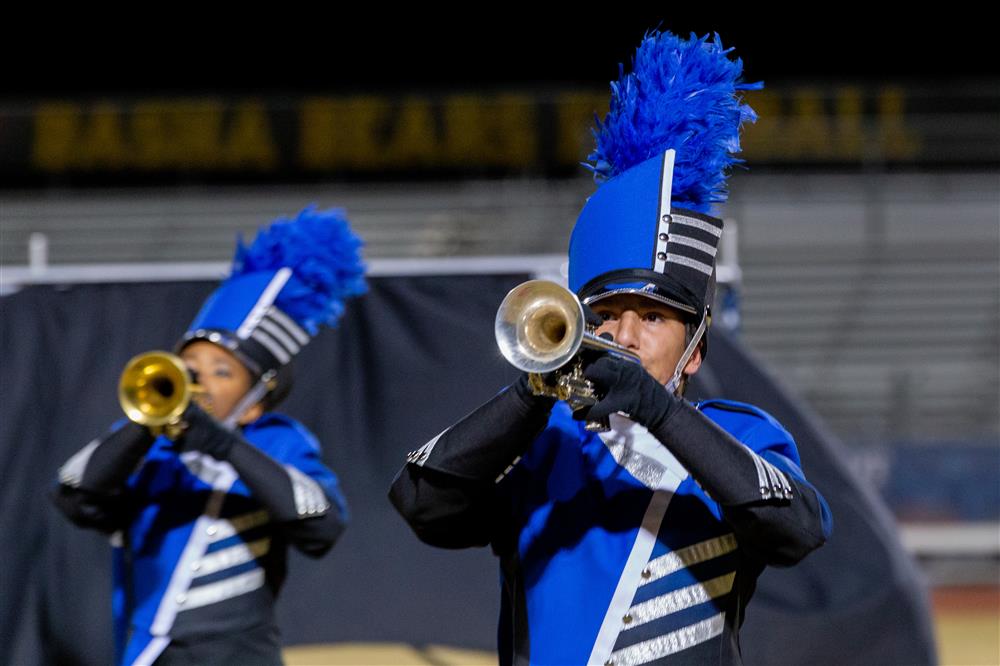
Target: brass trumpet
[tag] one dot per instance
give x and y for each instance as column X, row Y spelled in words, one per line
column 540, row 328
column 154, row 390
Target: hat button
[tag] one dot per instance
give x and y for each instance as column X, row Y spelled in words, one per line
column 661, row 255
column 664, row 236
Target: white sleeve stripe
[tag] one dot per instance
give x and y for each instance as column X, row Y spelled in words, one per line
column 310, row 500
column 71, row 473
column 289, row 325
column 762, row 481
column 280, row 335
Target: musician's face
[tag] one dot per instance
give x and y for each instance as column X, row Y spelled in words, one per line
column 654, row 331
column 221, row 374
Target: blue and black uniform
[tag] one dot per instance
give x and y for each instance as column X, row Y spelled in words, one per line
column 625, row 547
column 200, row 539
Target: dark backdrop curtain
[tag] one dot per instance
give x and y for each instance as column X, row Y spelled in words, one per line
column 408, row 359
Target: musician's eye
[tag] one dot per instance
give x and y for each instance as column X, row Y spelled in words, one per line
column 605, row 315
column 654, row 316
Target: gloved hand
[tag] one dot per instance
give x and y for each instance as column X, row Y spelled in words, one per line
column 522, row 388
column 627, row 388
column 205, row 434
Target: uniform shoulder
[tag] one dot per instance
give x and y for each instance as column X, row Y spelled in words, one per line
column 274, row 428
column 740, row 417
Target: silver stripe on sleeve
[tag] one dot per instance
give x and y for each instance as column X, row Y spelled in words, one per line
column 213, row 593
column 225, row 528
column 688, row 556
column 267, row 297
column 695, row 243
column 71, row 473
column 230, row 557
column 668, row 644
column 272, row 345
column 780, row 484
column 420, row 456
column 698, row 224
column 762, row 480
column 690, row 263
column 678, row 600
column 289, row 325
column 279, row 334
column 310, row 500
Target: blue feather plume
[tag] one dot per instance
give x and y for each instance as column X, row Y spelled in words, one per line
column 325, row 258
column 680, row 94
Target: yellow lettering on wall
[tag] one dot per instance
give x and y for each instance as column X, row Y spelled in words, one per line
column 513, row 130
column 56, row 128
column 102, row 143
column 575, row 113
column 196, row 131
column 154, row 146
column 493, row 132
column 463, row 143
column 848, row 121
column 249, row 142
column 341, row 133
column 898, row 142
column 808, row 127
column 412, row 139
column 764, row 139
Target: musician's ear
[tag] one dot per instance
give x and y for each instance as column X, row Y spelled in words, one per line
column 694, row 362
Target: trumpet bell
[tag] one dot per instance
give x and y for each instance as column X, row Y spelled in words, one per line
column 539, row 326
column 154, row 389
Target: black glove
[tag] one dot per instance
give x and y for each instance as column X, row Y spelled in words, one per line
column 628, row 388
column 205, row 434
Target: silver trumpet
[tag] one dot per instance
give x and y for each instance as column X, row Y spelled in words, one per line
column 541, row 330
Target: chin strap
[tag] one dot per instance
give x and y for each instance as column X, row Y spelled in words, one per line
column 251, row 398
column 675, row 381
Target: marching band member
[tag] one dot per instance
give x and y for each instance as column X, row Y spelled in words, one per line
column 641, row 544
column 201, row 522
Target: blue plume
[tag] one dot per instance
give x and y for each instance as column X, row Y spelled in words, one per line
column 681, row 94
column 325, row 258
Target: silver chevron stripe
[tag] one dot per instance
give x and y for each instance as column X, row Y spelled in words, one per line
column 668, row 644
column 698, row 224
column 281, row 335
column 310, row 500
column 678, row 600
column 689, row 262
column 225, row 528
column 762, row 480
column 225, row 589
column 271, row 344
column 420, row 456
column 695, row 243
column 645, row 470
column 230, row 557
column 289, row 325
column 688, row 556
column 71, row 473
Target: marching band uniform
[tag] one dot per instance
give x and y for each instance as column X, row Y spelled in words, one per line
column 201, row 525
column 641, row 544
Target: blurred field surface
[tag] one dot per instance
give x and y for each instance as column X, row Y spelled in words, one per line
column 966, row 626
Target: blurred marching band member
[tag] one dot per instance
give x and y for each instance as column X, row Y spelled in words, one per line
column 641, row 544
column 201, row 523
